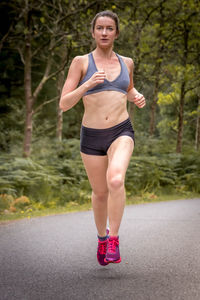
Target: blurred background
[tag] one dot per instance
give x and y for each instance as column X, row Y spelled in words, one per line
column 40, row 164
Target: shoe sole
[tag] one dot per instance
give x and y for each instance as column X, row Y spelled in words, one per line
column 106, row 263
column 112, row 261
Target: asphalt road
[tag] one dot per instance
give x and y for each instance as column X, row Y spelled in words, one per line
column 54, row 257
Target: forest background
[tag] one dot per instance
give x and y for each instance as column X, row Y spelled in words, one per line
column 40, row 164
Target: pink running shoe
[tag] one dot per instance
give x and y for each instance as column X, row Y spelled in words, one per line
column 113, row 254
column 101, row 250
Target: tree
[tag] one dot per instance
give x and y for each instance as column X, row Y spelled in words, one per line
column 38, row 37
column 197, row 134
column 187, row 26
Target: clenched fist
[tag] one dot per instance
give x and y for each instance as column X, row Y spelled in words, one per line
column 139, row 100
column 97, row 78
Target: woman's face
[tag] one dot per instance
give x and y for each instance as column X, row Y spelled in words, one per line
column 104, row 32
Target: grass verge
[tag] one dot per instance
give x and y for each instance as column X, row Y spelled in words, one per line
column 75, row 207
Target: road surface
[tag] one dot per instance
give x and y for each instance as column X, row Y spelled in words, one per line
column 54, row 257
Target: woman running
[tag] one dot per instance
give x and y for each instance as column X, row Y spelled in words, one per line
column 104, row 80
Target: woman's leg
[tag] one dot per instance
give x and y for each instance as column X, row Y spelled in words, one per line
column 96, row 168
column 119, row 155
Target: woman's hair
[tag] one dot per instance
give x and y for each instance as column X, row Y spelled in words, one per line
column 106, row 13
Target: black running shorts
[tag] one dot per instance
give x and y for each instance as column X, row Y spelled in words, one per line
column 97, row 141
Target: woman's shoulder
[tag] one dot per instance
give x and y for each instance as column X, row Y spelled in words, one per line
column 80, row 61
column 80, row 58
column 128, row 61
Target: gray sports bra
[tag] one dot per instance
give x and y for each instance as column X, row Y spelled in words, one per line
column 120, row 84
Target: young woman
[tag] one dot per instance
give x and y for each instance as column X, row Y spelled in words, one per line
column 104, row 80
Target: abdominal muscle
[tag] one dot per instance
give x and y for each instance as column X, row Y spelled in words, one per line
column 104, row 109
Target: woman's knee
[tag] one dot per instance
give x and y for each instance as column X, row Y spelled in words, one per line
column 100, row 195
column 115, row 181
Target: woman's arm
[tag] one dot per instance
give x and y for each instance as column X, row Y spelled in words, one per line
column 133, row 95
column 137, row 98
column 71, row 94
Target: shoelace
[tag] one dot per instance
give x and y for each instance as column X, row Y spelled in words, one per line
column 112, row 245
column 102, row 247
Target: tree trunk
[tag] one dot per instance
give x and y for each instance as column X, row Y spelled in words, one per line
column 60, row 83
column 28, row 89
column 157, row 70
column 154, row 104
column 182, row 94
column 28, row 132
column 59, row 126
column 197, row 134
column 180, row 119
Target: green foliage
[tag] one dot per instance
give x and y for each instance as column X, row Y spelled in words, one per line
column 152, row 33
column 5, row 202
column 188, row 170
column 56, row 173
column 153, row 173
column 56, row 176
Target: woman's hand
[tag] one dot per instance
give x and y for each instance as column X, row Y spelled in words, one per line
column 139, row 100
column 135, row 97
column 97, row 78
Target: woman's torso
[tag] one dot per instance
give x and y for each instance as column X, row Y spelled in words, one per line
column 105, row 109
